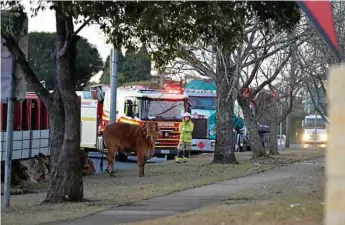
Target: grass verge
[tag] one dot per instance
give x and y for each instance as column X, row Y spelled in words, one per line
column 104, row 192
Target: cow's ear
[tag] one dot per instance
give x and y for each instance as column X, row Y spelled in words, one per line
column 157, row 128
column 143, row 129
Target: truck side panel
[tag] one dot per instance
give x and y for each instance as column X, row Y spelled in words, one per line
column 88, row 123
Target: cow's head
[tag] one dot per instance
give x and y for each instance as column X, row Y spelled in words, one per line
column 44, row 158
column 151, row 130
column 84, row 159
column 36, row 168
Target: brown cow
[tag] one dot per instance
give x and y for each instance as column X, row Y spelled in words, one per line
column 36, row 169
column 84, row 157
column 90, row 170
column 87, row 166
column 131, row 138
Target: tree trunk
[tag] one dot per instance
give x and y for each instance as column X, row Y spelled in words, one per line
column 225, row 139
column 66, row 182
column 273, row 139
column 56, row 134
column 255, row 141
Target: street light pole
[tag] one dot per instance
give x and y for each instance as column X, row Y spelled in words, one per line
column 113, row 86
column 9, row 132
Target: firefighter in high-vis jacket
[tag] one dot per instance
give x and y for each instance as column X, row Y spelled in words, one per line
column 185, row 144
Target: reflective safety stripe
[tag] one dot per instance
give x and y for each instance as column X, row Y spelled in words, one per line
column 88, row 119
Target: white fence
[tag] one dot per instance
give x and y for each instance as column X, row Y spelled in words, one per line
column 26, row 144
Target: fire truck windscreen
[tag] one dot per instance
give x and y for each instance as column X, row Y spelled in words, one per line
column 161, row 109
column 197, row 102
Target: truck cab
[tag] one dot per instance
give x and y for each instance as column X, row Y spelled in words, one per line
column 203, row 98
column 314, row 130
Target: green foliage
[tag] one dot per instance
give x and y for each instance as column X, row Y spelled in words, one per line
column 13, row 19
column 164, row 24
column 105, row 78
column 132, row 67
column 42, row 56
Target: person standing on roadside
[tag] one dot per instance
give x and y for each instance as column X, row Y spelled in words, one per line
column 185, row 144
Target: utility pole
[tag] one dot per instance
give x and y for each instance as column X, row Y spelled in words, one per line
column 113, row 86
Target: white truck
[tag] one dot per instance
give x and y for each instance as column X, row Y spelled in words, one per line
column 314, row 130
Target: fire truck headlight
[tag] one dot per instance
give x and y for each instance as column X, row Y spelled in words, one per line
column 306, row 137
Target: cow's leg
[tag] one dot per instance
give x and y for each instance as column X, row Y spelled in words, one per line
column 111, row 160
column 141, row 163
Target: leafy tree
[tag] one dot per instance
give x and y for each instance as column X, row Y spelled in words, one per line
column 42, row 57
column 125, row 23
column 137, row 66
column 105, row 78
column 132, row 67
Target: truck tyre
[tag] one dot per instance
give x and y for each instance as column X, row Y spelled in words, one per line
column 170, row 157
column 122, row 157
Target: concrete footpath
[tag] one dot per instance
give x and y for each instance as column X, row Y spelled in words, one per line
column 191, row 199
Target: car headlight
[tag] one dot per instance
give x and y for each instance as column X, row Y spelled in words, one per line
column 323, row 137
column 306, row 137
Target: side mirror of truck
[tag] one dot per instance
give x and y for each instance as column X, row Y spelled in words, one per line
column 302, row 123
column 188, row 106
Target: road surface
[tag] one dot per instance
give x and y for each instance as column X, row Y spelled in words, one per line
column 130, row 164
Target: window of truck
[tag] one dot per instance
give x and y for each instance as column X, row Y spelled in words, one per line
column 310, row 123
column 162, row 109
column 198, row 102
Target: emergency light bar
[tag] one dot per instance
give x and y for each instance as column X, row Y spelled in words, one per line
column 158, row 91
column 139, row 87
column 151, row 90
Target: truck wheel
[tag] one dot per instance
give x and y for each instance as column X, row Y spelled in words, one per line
column 170, row 157
column 122, row 157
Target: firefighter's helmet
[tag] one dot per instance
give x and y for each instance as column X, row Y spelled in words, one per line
column 187, row 114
